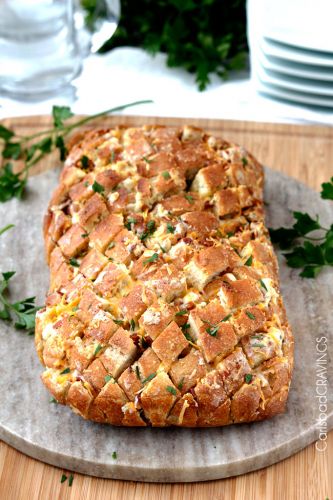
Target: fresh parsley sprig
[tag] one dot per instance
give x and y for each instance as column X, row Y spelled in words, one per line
column 21, row 313
column 32, row 148
column 309, row 253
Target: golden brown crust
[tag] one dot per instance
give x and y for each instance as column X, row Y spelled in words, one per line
column 164, row 305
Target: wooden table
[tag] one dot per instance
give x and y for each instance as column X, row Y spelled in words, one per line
column 304, row 152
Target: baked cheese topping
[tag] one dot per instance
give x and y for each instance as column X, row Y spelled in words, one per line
column 164, row 305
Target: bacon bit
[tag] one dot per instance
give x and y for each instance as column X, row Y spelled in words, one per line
column 136, row 339
column 187, row 241
column 190, row 306
column 147, row 340
column 208, row 204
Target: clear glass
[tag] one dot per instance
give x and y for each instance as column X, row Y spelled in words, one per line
column 43, row 42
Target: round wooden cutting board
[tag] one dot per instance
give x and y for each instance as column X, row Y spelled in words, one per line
column 52, row 433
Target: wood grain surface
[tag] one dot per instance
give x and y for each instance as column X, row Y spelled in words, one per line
column 304, row 152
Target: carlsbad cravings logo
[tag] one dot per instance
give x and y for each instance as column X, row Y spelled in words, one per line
column 321, row 392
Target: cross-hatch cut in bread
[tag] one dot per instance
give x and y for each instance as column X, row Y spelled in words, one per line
column 164, row 305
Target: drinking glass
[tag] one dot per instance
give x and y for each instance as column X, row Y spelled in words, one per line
column 43, row 43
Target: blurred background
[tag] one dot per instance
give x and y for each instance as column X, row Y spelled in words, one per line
column 263, row 60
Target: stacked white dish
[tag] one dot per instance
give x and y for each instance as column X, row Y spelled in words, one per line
column 291, row 47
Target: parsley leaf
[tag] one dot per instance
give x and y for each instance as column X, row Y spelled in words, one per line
column 98, row 348
column 172, row 390
column 310, row 257
column 249, row 261
column 327, row 190
column 153, row 258
column 170, row 228
column 11, row 185
column 60, row 114
column 150, row 229
column 149, row 378
column 5, row 133
column 98, row 188
column 6, row 228
column 73, row 262
column 21, row 313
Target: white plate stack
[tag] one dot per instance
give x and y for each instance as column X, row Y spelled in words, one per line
column 291, row 49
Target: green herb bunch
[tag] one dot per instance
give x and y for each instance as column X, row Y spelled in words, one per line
column 309, row 252
column 202, row 36
column 21, row 313
column 30, row 149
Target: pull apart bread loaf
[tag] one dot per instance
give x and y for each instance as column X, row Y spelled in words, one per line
column 164, row 305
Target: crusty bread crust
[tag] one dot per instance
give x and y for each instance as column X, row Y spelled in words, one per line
column 164, row 305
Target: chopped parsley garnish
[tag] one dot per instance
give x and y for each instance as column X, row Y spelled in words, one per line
column 53, row 400
column 258, row 345
column 229, row 235
column 170, row 228
column 146, row 159
column 248, row 378
column 212, row 329
column 153, row 258
column 137, row 372
column 250, row 315
column 111, row 245
column 70, row 480
column 73, row 262
column 188, row 337
column 249, row 261
column 182, row 312
column 181, row 383
column 114, row 455
column 166, row 175
column 86, row 184
column 226, row 318
column 149, row 378
column 151, row 227
column 185, row 327
column 172, row 390
column 118, row 321
column 85, row 161
column 244, row 161
column 107, row 378
column 163, row 249
column 98, row 348
column 130, row 221
column 112, row 156
column 132, row 325
column 189, row 198
column 66, row 370
column 75, row 308
column 262, row 283
column 63, row 478
column 98, row 188
column 84, row 235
